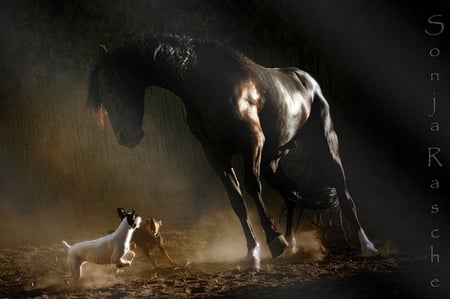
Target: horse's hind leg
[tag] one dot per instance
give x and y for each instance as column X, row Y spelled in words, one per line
column 327, row 161
column 276, row 178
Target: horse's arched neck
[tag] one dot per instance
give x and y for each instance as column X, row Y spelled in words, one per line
column 161, row 74
column 168, row 62
column 155, row 66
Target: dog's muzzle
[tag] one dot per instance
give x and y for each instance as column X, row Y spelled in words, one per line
column 154, row 226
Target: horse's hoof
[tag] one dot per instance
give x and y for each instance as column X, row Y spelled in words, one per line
column 277, row 246
column 252, row 264
column 369, row 250
column 367, row 247
column 292, row 249
column 252, row 261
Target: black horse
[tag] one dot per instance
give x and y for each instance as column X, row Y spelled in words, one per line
column 234, row 106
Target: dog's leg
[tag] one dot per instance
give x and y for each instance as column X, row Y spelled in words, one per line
column 67, row 278
column 146, row 251
column 122, row 262
column 117, row 258
column 153, row 261
column 79, row 271
column 130, row 252
column 164, row 252
column 75, row 268
column 160, row 243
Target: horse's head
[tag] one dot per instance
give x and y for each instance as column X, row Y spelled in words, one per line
column 114, row 86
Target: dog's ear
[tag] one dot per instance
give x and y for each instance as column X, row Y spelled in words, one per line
column 121, row 213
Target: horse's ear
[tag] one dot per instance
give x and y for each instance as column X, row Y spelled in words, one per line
column 103, row 52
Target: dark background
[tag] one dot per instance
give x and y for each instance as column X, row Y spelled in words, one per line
column 62, row 175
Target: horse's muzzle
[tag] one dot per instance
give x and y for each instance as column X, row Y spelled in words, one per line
column 129, row 139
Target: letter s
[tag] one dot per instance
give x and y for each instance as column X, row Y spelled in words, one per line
column 430, row 21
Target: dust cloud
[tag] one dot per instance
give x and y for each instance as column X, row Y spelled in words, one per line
column 310, row 246
column 64, row 176
column 222, row 239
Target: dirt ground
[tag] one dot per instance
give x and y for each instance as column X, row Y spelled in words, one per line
column 36, row 272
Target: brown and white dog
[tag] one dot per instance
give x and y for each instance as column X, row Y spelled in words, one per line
column 148, row 237
column 110, row 249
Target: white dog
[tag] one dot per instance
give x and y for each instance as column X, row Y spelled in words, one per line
column 110, row 249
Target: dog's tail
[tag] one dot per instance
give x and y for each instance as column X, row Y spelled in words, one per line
column 66, row 245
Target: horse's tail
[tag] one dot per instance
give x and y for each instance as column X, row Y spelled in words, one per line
column 66, row 245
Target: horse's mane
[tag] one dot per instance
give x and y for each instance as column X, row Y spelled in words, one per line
column 177, row 51
column 181, row 52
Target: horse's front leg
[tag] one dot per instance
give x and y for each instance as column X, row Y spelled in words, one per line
column 222, row 165
column 240, row 208
column 252, row 160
